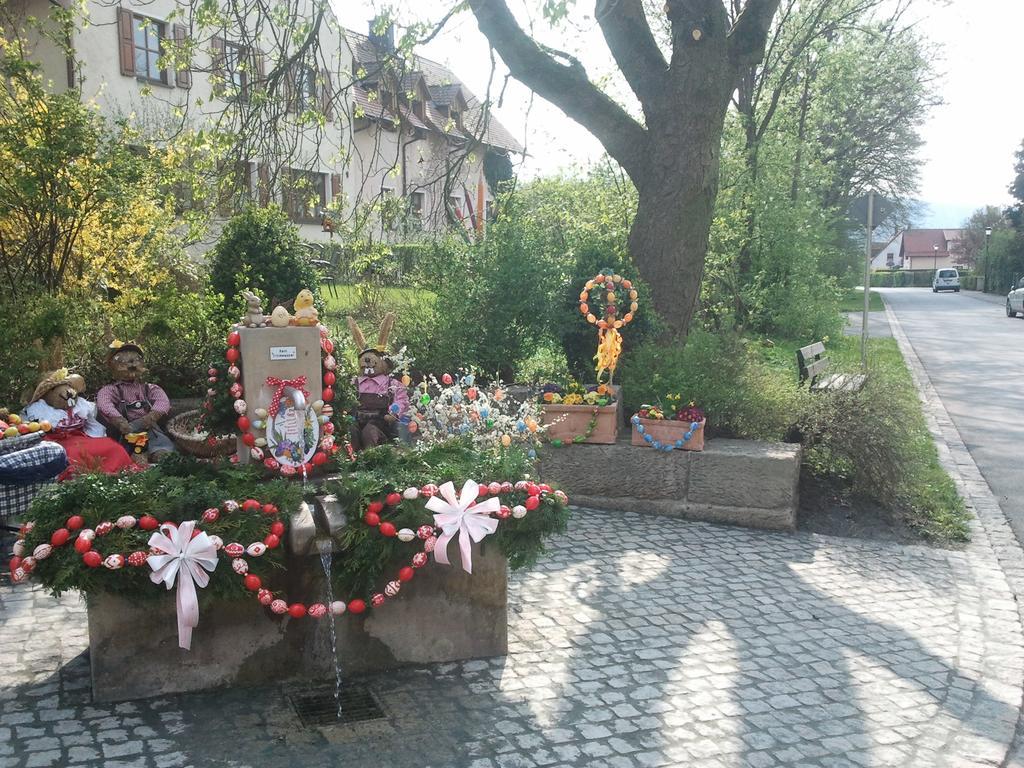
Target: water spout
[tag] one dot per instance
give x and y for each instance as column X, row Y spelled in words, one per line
column 326, row 548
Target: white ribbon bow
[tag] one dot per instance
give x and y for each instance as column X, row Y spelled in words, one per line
column 184, row 559
column 453, row 515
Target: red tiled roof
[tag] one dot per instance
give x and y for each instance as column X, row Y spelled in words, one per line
column 918, row 242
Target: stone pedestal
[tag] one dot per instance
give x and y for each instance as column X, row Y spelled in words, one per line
column 282, row 352
column 443, row 614
column 742, row 482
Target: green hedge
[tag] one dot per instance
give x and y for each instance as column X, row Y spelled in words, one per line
column 900, row 278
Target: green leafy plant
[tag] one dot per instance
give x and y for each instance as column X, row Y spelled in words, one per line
column 260, row 250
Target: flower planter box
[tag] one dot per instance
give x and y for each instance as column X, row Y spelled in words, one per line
column 668, row 431
column 566, row 422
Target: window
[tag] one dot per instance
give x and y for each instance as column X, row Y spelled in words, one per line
column 305, row 88
column 305, row 195
column 456, row 205
column 236, row 75
column 417, row 108
column 417, row 201
column 147, row 36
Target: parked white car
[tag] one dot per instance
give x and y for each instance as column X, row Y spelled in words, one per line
column 1015, row 299
column 946, row 280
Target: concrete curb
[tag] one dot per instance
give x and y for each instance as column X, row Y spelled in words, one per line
column 1000, row 611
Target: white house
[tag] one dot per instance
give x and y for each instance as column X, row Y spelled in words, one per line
column 383, row 134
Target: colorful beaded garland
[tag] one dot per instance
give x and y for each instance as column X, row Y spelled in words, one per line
column 657, row 444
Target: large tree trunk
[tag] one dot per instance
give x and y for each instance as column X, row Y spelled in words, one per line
column 669, row 236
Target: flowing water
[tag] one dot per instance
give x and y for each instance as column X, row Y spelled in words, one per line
column 325, row 546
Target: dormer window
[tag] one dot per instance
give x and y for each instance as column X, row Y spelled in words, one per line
column 456, row 118
column 417, row 108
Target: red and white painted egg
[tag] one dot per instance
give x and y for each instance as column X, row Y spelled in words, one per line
column 210, row 515
column 256, row 549
column 137, row 559
column 518, row 511
column 42, row 551
column 19, row 548
column 419, row 559
column 429, row 490
column 429, row 544
column 217, row 541
column 234, row 549
column 124, row 522
column 265, row 596
column 239, row 566
column 406, row 534
column 279, row 606
column 28, row 564
column 392, row 588
column 425, row 531
column 377, row 600
column 317, row 610
column 113, row 562
column 411, row 493
column 104, row 528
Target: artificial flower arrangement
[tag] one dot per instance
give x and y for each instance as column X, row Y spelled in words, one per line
column 456, row 406
column 575, row 413
column 217, row 531
column 677, row 425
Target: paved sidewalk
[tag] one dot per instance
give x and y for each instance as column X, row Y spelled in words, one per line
column 637, row 642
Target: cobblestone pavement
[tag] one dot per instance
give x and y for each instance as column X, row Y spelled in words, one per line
column 637, row 641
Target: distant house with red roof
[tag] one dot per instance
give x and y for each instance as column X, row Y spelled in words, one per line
column 921, row 249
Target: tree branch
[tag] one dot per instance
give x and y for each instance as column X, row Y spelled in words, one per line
column 564, row 85
column 749, row 34
column 628, row 35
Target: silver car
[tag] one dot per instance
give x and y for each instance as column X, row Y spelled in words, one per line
column 1015, row 299
column 946, row 280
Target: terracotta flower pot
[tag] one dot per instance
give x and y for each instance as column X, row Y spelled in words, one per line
column 668, row 431
column 567, row 422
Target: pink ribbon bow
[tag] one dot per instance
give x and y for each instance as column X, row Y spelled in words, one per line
column 184, row 559
column 299, row 383
column 454, row 515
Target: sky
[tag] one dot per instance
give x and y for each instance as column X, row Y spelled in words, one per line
column 969, row 141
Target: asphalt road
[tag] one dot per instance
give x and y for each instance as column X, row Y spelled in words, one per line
column 974, row 356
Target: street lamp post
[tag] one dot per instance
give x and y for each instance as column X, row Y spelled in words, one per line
column 935, row 259
column 988, row 284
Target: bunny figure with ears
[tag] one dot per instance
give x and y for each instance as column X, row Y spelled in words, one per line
column 382, row 398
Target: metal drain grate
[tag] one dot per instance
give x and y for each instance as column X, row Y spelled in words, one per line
column 321, row 708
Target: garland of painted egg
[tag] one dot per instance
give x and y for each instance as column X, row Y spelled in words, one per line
column 425, row 533
column 322, row 408
column 84, row 539
column 657, row 444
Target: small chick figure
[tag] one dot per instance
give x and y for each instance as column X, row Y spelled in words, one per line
column 305, row 312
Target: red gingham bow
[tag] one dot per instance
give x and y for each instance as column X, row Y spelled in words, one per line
column 299, row 382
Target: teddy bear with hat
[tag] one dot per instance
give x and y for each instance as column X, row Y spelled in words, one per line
column 134, row 407
column 58, row 400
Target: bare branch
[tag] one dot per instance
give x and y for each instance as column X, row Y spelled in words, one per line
column 564, row 85
column 624, row 26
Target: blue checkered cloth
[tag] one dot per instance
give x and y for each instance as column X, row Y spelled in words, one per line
column 24, row 473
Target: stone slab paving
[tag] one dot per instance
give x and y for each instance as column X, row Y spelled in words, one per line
column 637, row 641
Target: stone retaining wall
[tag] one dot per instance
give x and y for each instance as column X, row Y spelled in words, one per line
column 443, row 614
column 742, row 482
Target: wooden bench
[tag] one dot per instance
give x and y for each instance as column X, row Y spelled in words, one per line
column 813, row 365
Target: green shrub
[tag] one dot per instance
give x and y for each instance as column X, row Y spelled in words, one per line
column 742, row 394
column 260, row 250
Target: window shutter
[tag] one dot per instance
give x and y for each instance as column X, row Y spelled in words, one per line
column 327, row 96
column 260, row 70
column 263, row 186
column 126, row 42
column 217, row 71
column 183, row 75
column 335, row 186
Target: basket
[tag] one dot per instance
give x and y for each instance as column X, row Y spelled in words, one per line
column 182, row 429
column 20, row 442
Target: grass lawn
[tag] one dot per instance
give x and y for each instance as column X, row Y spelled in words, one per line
column 348, row 299
column 927, row 498
column 853, row 301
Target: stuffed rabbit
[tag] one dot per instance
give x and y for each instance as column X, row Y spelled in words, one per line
column 382, row 398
